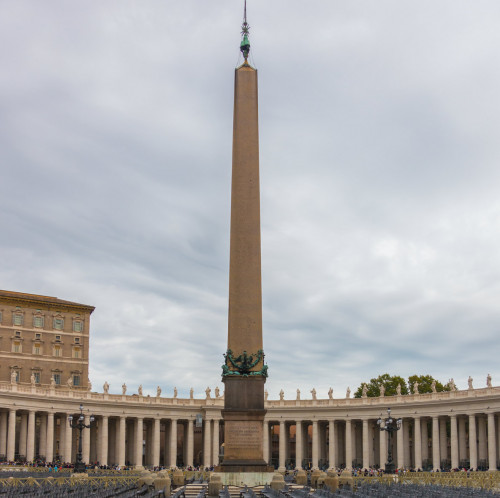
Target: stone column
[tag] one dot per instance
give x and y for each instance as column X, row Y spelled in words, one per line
column 383, row 448
column 216, row 444
column 315, row 445
column 190, row 443
column 103, row 436
column 207, row 442
column 417, row 443
column 331, row 444
column 30, row 447
column 366, row 454
column 49, row 455
column 68, row 440
column 3, row 434
column 348, row 445
column 23, row 431
column 42, row 448
column 462, row 439
column 86, row 441
column 492, row 450
column 454, row 441
column 400, row 449
column 11, row 436
column 139, row 438
column 265, row 441
column 472, row 442
column 282, row 447
column 173, row 443
column 121, row 441
column 443, row 440
column 436, row 464
column 482, row 437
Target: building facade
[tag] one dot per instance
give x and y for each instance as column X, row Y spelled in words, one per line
column 43, row 340
column 439, row 430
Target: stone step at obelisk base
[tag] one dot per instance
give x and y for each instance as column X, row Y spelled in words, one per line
column 244, row 372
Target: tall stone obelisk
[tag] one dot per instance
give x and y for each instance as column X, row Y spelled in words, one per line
column 244, row 371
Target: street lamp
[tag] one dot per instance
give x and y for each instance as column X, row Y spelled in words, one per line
column 390, row 425
column 79, row 424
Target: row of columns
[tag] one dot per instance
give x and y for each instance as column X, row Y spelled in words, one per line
column 343, row 441
column 110, row 441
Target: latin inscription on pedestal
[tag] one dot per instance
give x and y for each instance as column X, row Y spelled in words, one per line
column 243, row 440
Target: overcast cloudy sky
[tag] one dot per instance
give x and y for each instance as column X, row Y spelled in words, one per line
column 380, row 153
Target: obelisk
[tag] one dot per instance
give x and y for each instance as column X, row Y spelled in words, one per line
column 244, row 371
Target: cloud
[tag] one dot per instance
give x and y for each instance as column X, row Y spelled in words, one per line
column 380, row 211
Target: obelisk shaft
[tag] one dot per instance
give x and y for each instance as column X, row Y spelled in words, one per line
column 245, row 294
column 244, row 373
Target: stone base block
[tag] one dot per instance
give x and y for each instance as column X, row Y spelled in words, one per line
column 245, row 478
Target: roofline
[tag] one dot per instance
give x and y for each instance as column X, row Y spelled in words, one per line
column 38, row 298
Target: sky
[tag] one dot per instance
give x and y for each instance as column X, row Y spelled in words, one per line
column 379, row 159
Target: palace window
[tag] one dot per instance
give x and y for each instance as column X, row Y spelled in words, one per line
column 57, row 351
column 58, row 323
column 18, row 333
column 77, row 340
column 17, row 319
column 37, row 349
column 37, row 377
column 17, row 375
column 38, row 336
column 76, row 353
column 16, row 347
column 76, row 380
column 58, row 338
column 57, row 379
column 77, row 326
column 38, row 321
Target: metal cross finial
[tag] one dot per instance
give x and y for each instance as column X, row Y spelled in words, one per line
column 245, row 28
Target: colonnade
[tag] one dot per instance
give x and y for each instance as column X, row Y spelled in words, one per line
column 439, row 430
column 111, row 440
column 456, row 440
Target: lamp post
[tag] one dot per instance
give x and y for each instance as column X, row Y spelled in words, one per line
column 79, row 424
column 390, row 425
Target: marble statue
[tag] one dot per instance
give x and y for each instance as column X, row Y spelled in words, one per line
column 348, row 393
column 452, row 385
column 124, row 388
column 364, row 392
column 488, row 381
column 207, row 392
column 330, row 393
column 313, row 392
column 175, row 392
column 69, row 382
column 191, row 393
column 298, row 394
column 415, row 387
column 217, row 392
column 266, row 395
column 158, row 391
column 433, row 386
column 139, row 390
column 382, row 390
column 469, row 381
column 398, row 390
column 13, row 377
column 32, row 379
column 52, row 381
column 105, row 387
column 282, row 395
